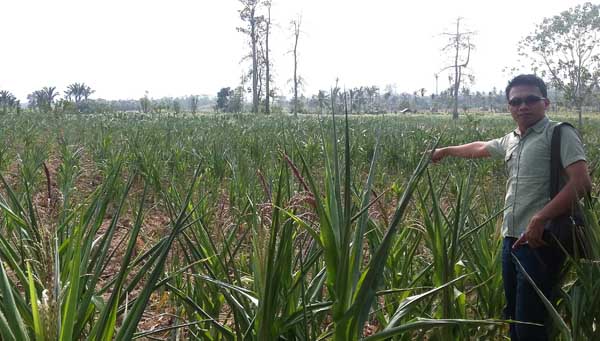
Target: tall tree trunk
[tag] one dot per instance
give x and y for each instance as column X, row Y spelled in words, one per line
column 254, row 38
column 268, row 80
column 295, row 83
column 456, row 72
column 259, row 86
column 578, row 96
column 580, row 113
column 296, row 35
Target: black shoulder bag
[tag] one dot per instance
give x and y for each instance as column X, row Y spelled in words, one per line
column 568, row 230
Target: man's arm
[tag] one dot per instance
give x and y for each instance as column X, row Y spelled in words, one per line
column 577, row 186
column 470, row 150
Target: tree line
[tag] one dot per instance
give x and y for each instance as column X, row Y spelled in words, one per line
column 76, row 99
column 360, row 100
column 563, row 49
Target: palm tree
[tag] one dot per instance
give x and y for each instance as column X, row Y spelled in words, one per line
column 71, row 92
column 49, row 94
column 7, row 100
column 78, row 92
column 87, row 92
column 42, row 99
column 32, row 100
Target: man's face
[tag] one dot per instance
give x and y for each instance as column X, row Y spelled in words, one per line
column 527, row 105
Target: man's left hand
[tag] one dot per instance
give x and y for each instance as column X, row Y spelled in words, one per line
column 533, row 233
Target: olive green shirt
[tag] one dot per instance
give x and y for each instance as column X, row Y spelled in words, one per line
column 527, row 161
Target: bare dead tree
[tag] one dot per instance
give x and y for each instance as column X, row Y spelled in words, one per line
column 261, row 56
column 253, row 21
column 460, row 45
column 268, row 75
column 296, row 23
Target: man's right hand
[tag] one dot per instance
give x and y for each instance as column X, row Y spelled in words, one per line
column 438, row 154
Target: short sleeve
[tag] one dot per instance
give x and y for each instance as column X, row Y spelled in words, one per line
column 571, row 147
column 496, row 147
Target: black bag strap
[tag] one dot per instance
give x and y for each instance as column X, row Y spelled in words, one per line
column 578, row 243
column 555, row 164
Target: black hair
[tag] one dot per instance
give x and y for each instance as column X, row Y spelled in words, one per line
column 532, row 80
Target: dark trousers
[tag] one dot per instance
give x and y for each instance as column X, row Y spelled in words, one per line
column 544, row 266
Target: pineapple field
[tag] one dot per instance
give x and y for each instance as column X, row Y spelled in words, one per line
column 263, row 227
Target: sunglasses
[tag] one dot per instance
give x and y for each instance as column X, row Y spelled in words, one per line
column 529, row 100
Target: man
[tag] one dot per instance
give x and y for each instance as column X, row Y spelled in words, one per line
column 526, row 152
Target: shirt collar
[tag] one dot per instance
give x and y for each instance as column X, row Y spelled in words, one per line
column 538, row 127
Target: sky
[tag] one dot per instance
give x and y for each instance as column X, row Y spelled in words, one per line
column 122, row 48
